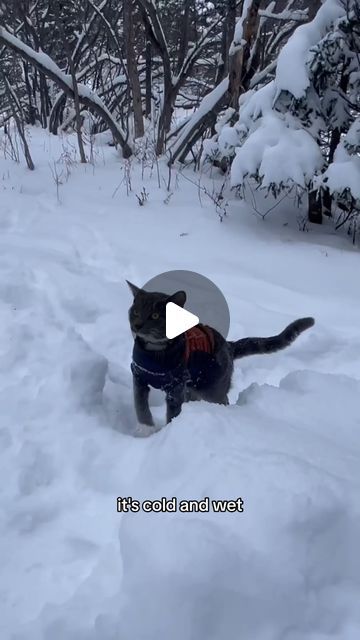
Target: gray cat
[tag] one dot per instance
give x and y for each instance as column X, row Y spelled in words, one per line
column 197, row 365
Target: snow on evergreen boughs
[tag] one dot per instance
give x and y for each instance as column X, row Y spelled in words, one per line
column 343, row 174
column 302, row 127
column 292, row 72
column 277, row 153
column 352, row 138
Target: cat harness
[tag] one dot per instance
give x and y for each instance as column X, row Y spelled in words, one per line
column 189, row 359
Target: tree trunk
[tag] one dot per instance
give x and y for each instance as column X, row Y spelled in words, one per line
column 226, row 39
column 315, row 207
column 238, row 62
column 165, row 115
column 313, row 7
column 19, row 119
column 148, row 74
column 45, row 101
column 184, row 34
column 132, row 67
column 59, row 20
column 32, row 107
column 77, row 111
column 56, row 113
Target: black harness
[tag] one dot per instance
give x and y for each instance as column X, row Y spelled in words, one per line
column 167, row 369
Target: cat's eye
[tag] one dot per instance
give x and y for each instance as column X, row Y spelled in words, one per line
column 136, row 313
column 155, row 316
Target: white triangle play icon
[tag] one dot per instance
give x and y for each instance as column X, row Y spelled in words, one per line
column 178, row 320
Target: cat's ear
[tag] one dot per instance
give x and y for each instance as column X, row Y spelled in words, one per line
column 178, row 298
column 133, row 288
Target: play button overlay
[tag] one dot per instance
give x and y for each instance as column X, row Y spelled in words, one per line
column 178, row 320
column 205, row 303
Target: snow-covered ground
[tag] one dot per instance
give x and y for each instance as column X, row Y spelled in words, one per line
column 72, row 568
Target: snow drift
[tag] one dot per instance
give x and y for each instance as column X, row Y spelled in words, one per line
column 72, row 567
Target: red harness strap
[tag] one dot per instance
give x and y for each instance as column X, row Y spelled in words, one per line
column 199, row 338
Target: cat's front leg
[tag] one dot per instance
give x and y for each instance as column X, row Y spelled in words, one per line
column 141, row 401
column 174, row 400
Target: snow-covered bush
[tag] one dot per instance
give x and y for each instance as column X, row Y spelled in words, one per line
column 302, row 128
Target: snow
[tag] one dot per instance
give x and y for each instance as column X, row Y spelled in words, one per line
column 291, row 72
column 344, row 171
column 276, row 142
column 252, row 105
column 278, row 153
column 72, row 568
column 352, row 138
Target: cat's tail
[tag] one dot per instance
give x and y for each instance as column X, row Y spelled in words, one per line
column 252, row 346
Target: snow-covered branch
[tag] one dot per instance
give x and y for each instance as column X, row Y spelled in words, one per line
column 50, row 69
column 292, row 74
column 299, row 15
column 206, row 111
column 238, row 40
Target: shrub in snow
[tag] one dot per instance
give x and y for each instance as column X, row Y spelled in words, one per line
column 302, row 129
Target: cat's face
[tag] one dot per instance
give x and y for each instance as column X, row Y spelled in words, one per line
column 147, row 314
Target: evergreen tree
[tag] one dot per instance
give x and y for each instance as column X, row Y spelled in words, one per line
column 302, row 130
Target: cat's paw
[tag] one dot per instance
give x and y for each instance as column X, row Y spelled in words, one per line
column 143, row 430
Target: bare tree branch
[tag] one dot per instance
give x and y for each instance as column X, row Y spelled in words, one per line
column 47, row 66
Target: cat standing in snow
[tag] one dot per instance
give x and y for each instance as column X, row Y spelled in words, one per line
column 196, row 365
